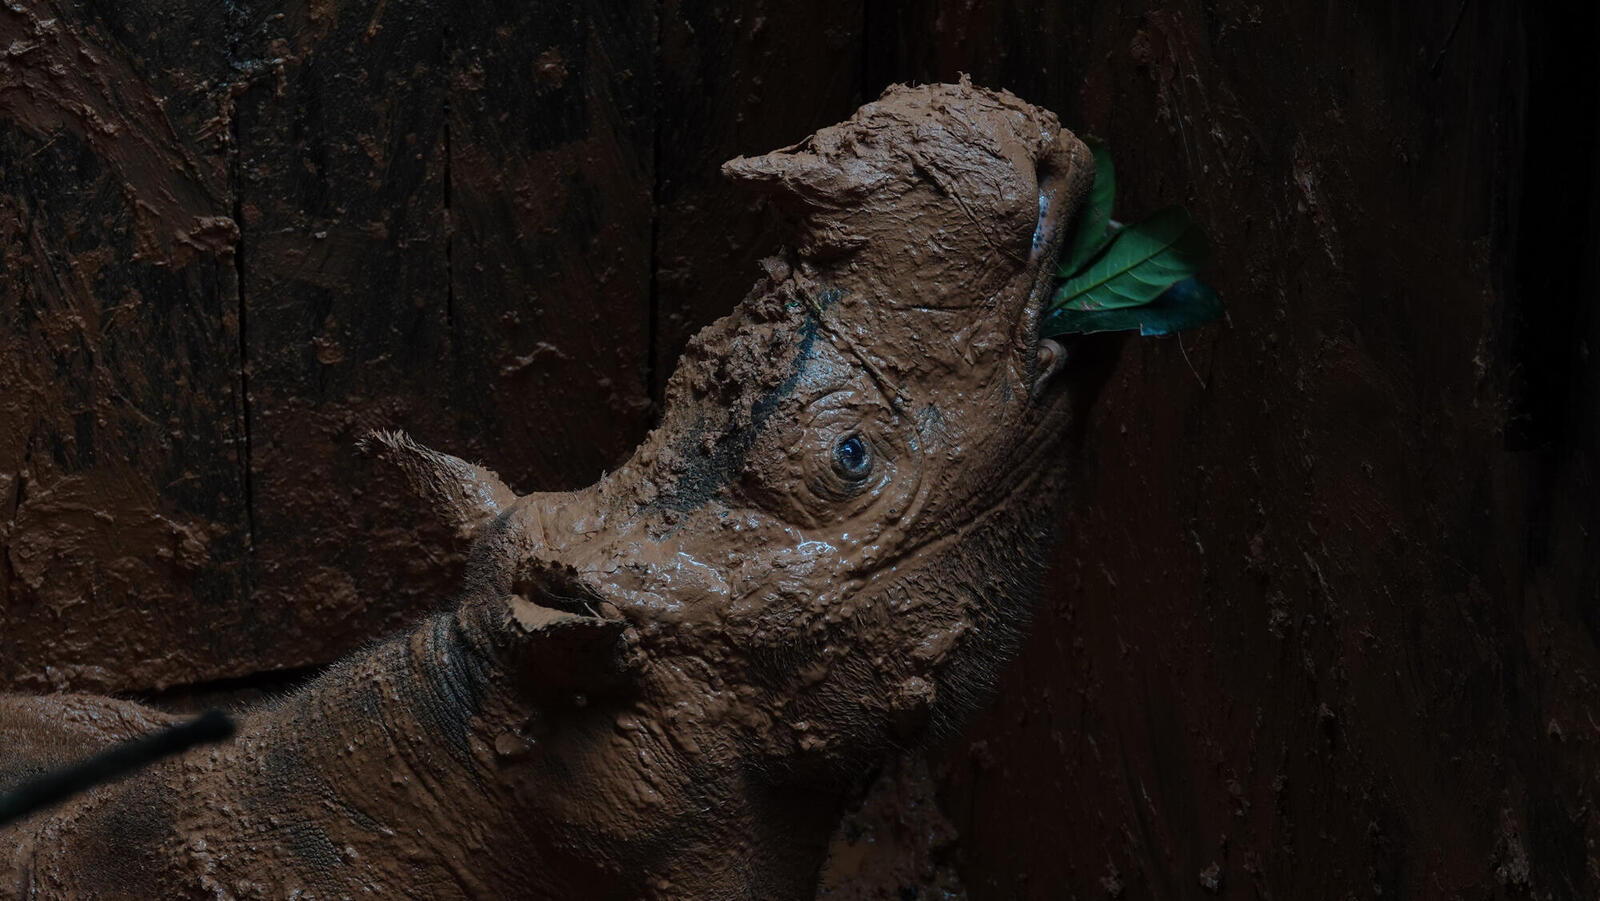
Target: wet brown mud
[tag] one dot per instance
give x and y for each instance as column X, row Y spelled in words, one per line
column 668, row 684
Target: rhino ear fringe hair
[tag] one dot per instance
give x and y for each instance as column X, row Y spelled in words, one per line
column 113, row 763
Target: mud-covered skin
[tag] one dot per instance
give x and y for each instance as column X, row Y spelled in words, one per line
column 41, row 733
column 664, row 685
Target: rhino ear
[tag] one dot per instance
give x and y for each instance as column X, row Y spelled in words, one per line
column 1065, row 175
column 461, row 495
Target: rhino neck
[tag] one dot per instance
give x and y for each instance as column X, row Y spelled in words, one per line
column 643, row 789
column 420, row 755
column 373, row 772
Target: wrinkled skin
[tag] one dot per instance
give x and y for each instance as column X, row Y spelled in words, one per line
column 666, row 685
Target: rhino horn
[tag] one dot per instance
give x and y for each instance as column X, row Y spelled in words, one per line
column 798, row 176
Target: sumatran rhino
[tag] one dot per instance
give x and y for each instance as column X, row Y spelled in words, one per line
column 666, row 685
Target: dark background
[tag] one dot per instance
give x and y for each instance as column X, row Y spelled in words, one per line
column 1324, row 622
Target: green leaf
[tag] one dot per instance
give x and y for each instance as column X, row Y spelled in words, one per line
column 1187, row 304
column 1141, row 261
column 1089, row 233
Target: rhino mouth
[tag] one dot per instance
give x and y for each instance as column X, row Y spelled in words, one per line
column 562, row 591
column 590, row 608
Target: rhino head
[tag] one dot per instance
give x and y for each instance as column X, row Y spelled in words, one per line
column 832, row 538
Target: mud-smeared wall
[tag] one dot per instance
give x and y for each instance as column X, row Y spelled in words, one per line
column 235, row 238
column 1323, row 622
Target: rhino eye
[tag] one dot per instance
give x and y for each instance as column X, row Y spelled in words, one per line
column 851, row 458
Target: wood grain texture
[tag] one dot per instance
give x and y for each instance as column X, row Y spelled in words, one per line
column 552, row 129
column 448, row 234
column 434, row 231
column 1323, row 620
column 123, row 510
column 736, row 78
column 1316, row 628
column 341, row 197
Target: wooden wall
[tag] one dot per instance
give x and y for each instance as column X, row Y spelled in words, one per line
column 1323, row 623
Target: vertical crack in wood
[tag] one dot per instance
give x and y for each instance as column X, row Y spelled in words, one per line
column 866, row 40
column 17, row 498
column 244, row 363
column 236, row 186
column 448, row 58
column 872, row 16
column 652, row 361
column 1438, row 60
column 1551, row 226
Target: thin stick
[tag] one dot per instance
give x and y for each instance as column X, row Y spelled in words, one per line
column 1185, row 352
column 113, row 763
